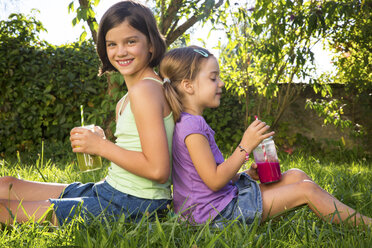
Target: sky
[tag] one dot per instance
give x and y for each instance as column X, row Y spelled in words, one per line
column 55, row 18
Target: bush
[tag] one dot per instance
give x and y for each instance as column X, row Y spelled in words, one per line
column 43, row 86
column 227, row 121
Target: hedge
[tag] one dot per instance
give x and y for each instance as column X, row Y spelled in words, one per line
column 42, row 86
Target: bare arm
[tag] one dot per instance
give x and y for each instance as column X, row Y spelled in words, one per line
column 216, row 177
column 153, row 162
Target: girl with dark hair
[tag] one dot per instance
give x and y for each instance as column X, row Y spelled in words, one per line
column 138, row 179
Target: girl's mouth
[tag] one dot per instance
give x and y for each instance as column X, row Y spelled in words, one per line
column 125, row 62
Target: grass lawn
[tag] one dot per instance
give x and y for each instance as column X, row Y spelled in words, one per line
column 348, row 181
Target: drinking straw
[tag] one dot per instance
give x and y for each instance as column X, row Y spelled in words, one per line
column 85, row 156
column 82, row 115
column 262, row 146
column 264, row 152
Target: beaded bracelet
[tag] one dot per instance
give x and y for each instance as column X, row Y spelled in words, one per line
column 246, row 153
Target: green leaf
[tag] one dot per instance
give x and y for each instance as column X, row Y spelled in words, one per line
column 75, row 21
column 71, row 7
column 312, row 24
column 83, row 36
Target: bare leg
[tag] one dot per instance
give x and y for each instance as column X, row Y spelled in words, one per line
column 288, row 177
column 12, row 188
column 280, row 198
column 24, row 211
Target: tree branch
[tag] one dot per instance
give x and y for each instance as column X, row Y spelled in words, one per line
column 208, row 6
column 91, row 20
column 170, row 15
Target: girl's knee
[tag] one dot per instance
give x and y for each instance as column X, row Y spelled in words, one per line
column 7, row 181
column 296, row 175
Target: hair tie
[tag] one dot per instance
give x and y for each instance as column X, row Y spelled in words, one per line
column 166, row 80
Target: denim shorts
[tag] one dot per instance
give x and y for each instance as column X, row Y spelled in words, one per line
column 100, row 200
column 245, row 207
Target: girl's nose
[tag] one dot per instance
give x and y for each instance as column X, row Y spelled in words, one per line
column 122, row 51
column 221, row 83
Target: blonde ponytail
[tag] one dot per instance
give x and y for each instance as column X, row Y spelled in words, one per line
column 174, row 100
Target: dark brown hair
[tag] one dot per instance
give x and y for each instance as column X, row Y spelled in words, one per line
column 139, row 17
column 179, row 64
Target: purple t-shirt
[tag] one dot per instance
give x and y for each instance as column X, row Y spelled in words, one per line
column 191, row 196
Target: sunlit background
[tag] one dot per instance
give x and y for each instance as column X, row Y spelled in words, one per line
column 58, row 23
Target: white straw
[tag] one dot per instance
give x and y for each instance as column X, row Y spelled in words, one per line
column 82, row 115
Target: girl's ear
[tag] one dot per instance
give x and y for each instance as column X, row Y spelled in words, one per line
column 187, row 86
column 150, row 48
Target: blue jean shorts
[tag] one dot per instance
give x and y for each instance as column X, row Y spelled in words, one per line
column 100, row 200
column 245, row 207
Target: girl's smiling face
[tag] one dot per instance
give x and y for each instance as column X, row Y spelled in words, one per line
column 128, row 50
column 208, row 85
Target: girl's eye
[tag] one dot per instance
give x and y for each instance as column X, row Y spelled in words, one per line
column 131, row 42
column 213, row 79
column 111, row 44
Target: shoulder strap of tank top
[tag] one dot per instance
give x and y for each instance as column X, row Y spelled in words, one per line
column 154, row 79
column 122, row 102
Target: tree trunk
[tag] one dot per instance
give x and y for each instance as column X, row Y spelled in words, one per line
column 91, row 20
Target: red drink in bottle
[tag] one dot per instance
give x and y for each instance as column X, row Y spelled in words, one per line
column 268, row 172
column 265, row 156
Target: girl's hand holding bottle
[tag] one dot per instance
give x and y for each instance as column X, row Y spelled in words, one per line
column 86, row 141
column 252, row 171
column 254, row 134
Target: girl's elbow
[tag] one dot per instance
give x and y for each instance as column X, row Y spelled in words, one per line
column 162, row 180
column 161, row 176
column 214, row 187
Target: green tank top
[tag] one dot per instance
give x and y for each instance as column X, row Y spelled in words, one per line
column 128, row 138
